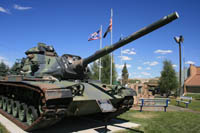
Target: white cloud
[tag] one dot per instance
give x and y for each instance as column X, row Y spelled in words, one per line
column 4, row 10
column 118, row 66
column 146, row 63
column 190, row 62
column 119, row 76
column 134, row 73
column 129, row 51
column 161, row 57
column 125, row 58
column 153, row 63
column 174, row 65
column 128, row 65
column 145, row 73
column 18, row 7
column 159, row 51
column 3, row 59
column 139, row 68
column 148, row 68
column 138, row 76
column 121, row 66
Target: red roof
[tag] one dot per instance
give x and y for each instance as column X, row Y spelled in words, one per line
column 194, row 81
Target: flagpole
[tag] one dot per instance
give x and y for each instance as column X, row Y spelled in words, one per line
column 100, row 49
column 111, row 53
column 121, row 58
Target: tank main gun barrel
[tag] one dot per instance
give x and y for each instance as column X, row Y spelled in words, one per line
column 100, row 53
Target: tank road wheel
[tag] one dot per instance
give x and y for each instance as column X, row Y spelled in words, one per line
column 31, row 115
column 15, row 105
column 5, row 100
column 1, row 102
column 9, row 106
column 22, row 111
column 40, row 109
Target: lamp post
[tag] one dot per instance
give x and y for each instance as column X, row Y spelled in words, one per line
column 179, row 40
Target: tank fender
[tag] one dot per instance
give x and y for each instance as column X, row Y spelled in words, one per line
column 57, row 94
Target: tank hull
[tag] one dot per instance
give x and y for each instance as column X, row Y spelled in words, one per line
column 52, row 104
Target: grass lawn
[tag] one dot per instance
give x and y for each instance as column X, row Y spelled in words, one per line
column 194, row 105
column 163, row 122
column 194, row 96
column 3, row 130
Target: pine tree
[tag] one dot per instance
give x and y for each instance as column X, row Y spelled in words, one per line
column 124, row 75
column 168, row 80
column 15, row 69
column 3, row 69
column 105, row 70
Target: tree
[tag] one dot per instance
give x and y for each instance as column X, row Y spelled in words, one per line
column 3, row 69
column 124, row 75
column 105, row 70
column 132, row 81
column 168, row 80
column 15, row 69
column 94, row 71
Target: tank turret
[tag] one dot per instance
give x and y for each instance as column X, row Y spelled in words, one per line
column 43, row 60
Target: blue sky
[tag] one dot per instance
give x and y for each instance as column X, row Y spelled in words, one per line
column 67, row 24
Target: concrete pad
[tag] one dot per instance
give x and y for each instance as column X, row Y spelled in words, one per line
column 11, row 127
column 75, row 125
column 111, row 127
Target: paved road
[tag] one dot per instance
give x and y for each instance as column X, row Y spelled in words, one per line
column 76, row 125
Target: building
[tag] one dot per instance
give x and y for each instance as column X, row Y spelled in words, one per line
column 192, row 83
column 143, row 88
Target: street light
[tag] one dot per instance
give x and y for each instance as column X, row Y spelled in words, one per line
column 179, row 40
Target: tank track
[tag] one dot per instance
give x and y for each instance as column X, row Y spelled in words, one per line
column 13, row 98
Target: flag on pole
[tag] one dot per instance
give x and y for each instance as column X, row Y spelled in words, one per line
column 109, row 28
column 95, row 36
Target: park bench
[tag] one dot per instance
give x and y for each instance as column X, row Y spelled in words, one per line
column 154, row 102
column 185, row 100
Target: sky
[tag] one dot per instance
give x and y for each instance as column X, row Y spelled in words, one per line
column 67, row 25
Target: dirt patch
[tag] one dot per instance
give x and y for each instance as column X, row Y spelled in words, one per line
column 144, row 116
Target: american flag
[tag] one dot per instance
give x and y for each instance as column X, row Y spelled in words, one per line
column 109, row 28
column 95, row 35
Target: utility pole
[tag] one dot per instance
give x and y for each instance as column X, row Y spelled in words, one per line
column 179, row 40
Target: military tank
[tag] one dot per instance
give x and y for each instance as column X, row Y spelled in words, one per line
column 47, row 88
